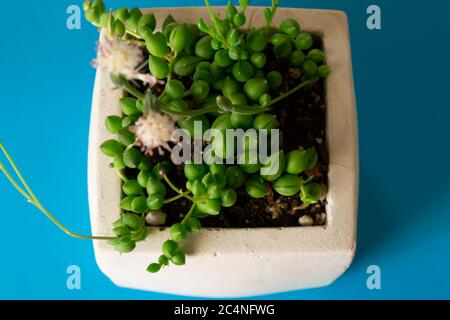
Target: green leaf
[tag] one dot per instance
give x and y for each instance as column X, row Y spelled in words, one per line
column 185, row 65
column 122, row 14
column 194, row 224
column 147, row 21
column 298, row 161
column 169, row 247
column 274, row 166
column 178, row 232
column 125, row 247
column 256, row 188
column 235, row 177
column 163, row 260
column 158, row 67
column 228, row 198
column 126, row 137
column 139, row 204
column 243, row 4
column 162, row 168
column 214, row 190
column 155, row 186
column 203, row 26
column 278, row 39
column 140, row 234
column 145, row 165
column 198, row 188
column 157, row 45
column 128, row 121
column 179, row 258
column 111, row 147
column 132, row 157
column 288, row 185
column 128, row 106
column 134, row 15
column 121, row 231
column 155, row 201
column 231, row 11
column 169, row 19
column 154, row 267
column 118, row 223
column 310, row 193
column 132, row 221
column 210, row 206
column 268, row 16
column 125, row 204
column 113, row 124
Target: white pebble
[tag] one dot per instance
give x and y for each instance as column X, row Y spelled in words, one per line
column 320, row 218
column 305, row 220
column 156, row 218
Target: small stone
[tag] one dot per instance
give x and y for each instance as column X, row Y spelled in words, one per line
column 156, row 218
column 320, row 218
column 319, row 140
column 305, row 220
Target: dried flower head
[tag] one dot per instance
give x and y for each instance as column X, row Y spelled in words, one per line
column 154, row 131
column 122, row 58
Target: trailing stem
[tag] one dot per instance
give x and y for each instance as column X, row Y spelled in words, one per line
column 29, row 195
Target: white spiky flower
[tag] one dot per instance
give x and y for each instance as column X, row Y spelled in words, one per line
column 154, row 131
column 122, row 58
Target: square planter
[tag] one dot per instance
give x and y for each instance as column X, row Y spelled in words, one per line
column 243, row 262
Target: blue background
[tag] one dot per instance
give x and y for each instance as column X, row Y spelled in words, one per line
column 402, row 85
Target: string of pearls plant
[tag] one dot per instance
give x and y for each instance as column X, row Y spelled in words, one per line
column 213, row 72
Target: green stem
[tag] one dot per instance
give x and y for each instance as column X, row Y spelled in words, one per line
column 134, row 34
column 14, row 183
column 121, row 175
column 174, row 188
column 190, row 113
column 31, row 197
column 137, row 42
column 188, row 215
column 179, row 196
column 249, row 110
column 215, row 22
column 212, row 15
column 171, row 64
column 293, row 90
column 121, row 82
column 128, row 87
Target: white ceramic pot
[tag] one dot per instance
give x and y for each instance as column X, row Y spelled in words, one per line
column 243, row 262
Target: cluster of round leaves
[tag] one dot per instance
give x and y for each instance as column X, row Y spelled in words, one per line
column 220, row 58
column 283, row 171
column 121, row 149
column 171, row 250
column 129, row 229
column 213, row 186
column 146, row 192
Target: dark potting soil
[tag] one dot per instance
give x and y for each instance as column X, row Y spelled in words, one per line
column 302, row 118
